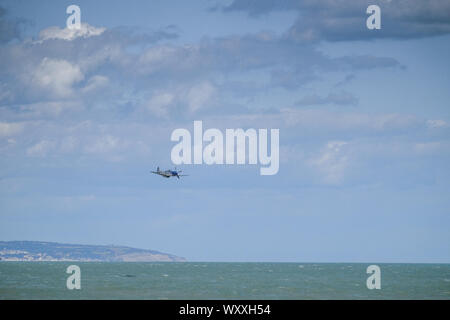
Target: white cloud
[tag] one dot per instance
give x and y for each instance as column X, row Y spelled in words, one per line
column 157, row 54
column 425, row 148
column 323, row 119
column 331, row 162
column 69, row 144
column 5, row 93
column 103, row 144
column 56, row 76
column 95, row 82
column 10, row 129
column 193, row 97
column 41, row 148
column 49, row 108
column 159, row 103
column 199, row 95
column 436, row 123
column 85, row 31
column 342, row 98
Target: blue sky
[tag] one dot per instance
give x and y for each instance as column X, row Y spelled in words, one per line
column 364, row 122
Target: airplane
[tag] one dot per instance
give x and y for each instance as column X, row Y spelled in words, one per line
column 169, row 173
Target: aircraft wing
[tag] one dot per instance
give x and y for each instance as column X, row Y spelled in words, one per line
column 161, row 173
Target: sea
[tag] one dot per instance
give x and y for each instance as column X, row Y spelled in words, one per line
column 214, row 280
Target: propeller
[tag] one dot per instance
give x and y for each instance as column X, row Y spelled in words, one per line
column 178, row 171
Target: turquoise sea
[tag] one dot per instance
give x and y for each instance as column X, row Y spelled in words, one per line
column 201, row 280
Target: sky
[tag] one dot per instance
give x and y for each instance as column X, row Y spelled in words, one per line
column 363, row 117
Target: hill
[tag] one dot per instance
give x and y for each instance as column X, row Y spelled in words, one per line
column 52, row 251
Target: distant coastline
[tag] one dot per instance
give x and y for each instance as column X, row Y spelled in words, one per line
column 53, row 251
